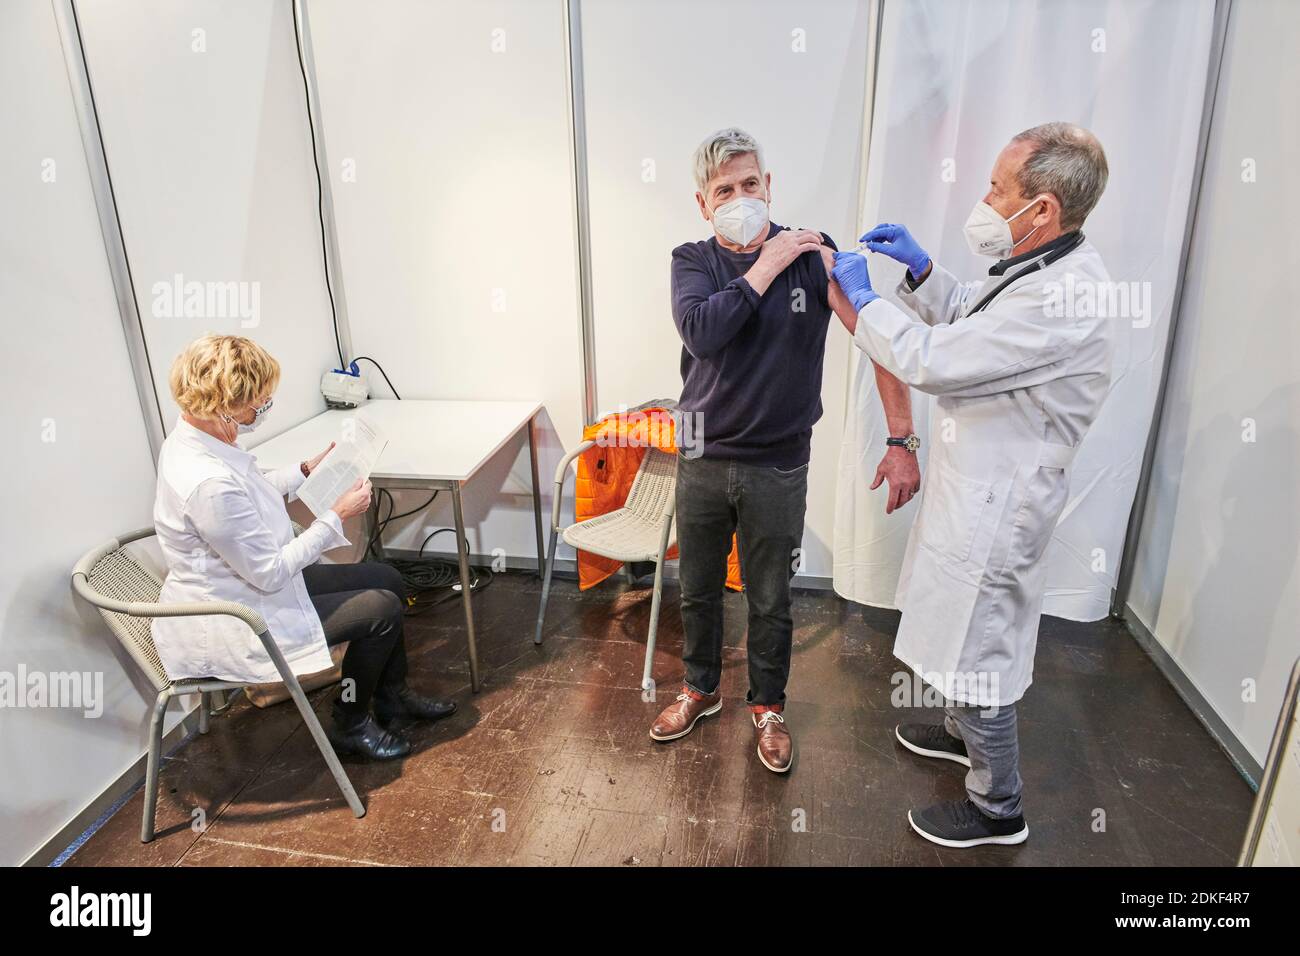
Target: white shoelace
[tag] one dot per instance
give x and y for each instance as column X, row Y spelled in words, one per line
column 769, row 715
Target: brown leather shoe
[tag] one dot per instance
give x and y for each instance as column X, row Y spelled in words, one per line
column 775, row 747
column 679, row 718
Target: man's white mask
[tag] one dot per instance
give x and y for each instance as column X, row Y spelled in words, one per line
column 741, row 220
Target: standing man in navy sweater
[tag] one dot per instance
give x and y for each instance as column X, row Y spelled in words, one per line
column 752, row 304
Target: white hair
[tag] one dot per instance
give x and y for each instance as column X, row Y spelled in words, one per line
column 721, row 146
column 1068, row 162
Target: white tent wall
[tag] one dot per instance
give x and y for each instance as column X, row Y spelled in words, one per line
column 1216, row 579
column 80, row 469
column 206, row 134
column 658, row 79
column 956, row 81
column 445, row 126
column 447, row 140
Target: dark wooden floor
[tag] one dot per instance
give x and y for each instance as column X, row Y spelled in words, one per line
column 551, row 764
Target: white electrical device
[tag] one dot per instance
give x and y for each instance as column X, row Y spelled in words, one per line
column 344, row 388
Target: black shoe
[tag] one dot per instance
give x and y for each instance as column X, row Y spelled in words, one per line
column 365, row 738
column 932, row 740
column 959, row 823
column 408, row 705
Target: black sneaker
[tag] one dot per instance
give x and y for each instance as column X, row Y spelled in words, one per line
column 932, row 740
column 959, row 823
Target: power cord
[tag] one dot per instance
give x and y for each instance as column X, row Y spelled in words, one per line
column 421, row 575
column 320, row 187
column 320, row 211
column 367, row 358
column 424, row 576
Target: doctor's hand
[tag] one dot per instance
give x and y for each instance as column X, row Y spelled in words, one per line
column 354, row 501
column 310, row 464
column 851, row 273
column 899, row 467
column 896, row 242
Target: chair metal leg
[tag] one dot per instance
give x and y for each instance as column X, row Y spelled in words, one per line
column 646, row 683
column 326, row 749
column 546, row 584
column 205, row 711
column 313, row 725
column 152, row 765
column 226, row 700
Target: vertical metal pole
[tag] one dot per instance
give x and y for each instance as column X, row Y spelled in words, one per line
column 1277, row 753
column 466, row 599
column 1128, row 559
column 110, row 226
column 329, row 227
column 875, row 19
column 875, row 14
column 582, row 209
column 537, row 495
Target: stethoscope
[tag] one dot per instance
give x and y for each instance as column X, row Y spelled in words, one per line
column 1042, row 263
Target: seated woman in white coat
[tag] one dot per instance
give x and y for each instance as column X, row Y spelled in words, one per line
column 226, row 536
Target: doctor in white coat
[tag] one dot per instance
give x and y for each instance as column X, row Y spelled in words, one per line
column 226, row 536
column 1019, row 363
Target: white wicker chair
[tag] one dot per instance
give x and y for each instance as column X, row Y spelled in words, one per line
column 642, row 530
column 126, row 594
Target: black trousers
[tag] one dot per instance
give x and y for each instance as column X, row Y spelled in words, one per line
column 764, row 507
column 363, row 605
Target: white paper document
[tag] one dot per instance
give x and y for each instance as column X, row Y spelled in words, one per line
column 353, row 457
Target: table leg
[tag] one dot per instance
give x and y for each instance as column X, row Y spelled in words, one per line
column 372, row 522
column 537, row 496
column 465, row 597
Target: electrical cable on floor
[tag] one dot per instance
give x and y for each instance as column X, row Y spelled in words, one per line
column 424, row 576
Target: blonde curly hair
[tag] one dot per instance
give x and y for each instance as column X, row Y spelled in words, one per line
column 222, row 374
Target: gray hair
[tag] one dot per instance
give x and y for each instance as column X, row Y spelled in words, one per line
column 1068, row 162
column 723, row 145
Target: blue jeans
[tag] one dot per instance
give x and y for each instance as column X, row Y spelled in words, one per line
column 764, row 507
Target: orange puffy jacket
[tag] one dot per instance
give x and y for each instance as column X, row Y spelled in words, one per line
column 605, row 474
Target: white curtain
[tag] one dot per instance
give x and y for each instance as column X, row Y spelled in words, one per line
column 956, row 80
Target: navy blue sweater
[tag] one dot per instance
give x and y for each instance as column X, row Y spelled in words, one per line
column 751, row 365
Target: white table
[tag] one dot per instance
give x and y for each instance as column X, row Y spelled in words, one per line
column 432, row 446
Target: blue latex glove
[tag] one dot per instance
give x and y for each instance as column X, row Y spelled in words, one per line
column 897, row 243
column 851, row 273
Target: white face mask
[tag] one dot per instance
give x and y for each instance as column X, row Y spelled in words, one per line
column 988, row 234
column 259, row 416
column 741, row 220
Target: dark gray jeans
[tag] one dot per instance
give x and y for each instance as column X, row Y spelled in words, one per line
column 765, row 508
column 993, row 744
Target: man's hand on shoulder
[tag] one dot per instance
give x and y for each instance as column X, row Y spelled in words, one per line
column 778, row 252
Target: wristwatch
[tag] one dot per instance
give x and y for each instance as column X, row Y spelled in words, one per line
column 911, row 442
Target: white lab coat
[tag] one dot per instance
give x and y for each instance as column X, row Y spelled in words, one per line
column 1016, row 389
column 226, row 536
